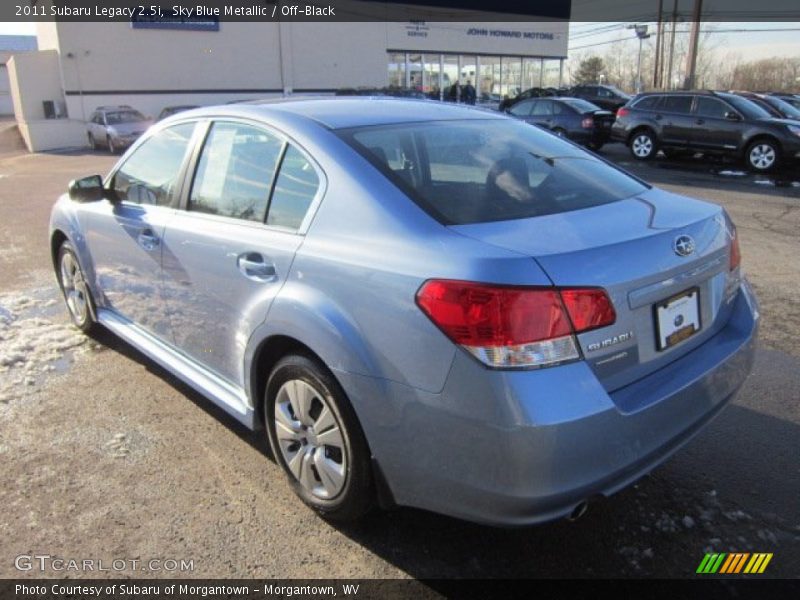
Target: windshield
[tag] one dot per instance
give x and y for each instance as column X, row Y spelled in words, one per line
column 581, row 105
column 124, row 116
column 749, row 109
column 478, row 171
column 787, row 109
column 618, row 92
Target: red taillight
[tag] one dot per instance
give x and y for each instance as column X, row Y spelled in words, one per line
column 736, row 253
column 588, row 309
column 587, row 123
column 514, row 325
column 623, row 112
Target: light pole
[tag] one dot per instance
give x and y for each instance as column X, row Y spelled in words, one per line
column 641, row 33
column 75, row 55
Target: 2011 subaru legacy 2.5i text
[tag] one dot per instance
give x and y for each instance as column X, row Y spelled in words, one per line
column 422, row 304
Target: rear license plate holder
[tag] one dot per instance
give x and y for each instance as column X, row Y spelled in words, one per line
column 677, row 318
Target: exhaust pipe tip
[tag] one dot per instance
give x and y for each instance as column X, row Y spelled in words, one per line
column 578, row 511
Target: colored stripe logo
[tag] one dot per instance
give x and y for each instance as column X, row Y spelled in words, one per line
column 733, row 563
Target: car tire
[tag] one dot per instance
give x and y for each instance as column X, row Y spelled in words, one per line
column 317, row 440
column 762, row 155
column 92, row 142
column 560, row 132
column 595, row 146
column 644, row 144
column 77, row 295
column 111, row 147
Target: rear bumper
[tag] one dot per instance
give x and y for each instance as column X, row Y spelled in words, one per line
column 596, row 135
column 518, row 448
column 619, row 133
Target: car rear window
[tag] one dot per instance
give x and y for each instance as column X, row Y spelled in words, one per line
column 581, row 105
column 479, row 171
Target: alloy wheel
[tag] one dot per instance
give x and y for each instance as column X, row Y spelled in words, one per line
column 74, row 287
column 642, row 146
column 762, row 156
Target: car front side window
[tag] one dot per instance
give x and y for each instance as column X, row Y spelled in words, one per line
column 235, row 172
column 150, row 174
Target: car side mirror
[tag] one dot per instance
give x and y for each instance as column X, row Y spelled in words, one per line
column 87, row 189
column 732, row 116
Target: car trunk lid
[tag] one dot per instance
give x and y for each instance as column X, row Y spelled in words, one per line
column 628, row 248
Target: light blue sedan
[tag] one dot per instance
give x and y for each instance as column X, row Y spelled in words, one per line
column 422, row 304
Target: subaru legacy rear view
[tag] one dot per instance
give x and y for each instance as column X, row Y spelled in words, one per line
column 420, row 304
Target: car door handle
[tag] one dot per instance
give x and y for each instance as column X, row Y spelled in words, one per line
column 700, row 121
column 659, row 117
column 147, row 239
column 254, row 266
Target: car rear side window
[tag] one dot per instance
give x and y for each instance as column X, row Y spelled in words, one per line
column 295, row 189
column 522, row 109
column 477, row 171
column 542, row 108
column 150, row 174
column 235, row 172
column 677, row 104
column 647, row 103
column 711, row 107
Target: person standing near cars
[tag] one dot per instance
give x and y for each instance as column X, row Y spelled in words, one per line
column 469, row 93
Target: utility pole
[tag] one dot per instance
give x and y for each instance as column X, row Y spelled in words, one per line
column 641, row 33
column 691, row 57
column 659, row 35
column 672, row 44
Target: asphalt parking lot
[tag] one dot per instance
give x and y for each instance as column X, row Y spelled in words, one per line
column 107, row 456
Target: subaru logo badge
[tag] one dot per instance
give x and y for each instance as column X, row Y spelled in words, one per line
column 684, row 245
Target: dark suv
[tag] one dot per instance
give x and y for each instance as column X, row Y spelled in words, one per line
column 708, row 122
column 606, row 97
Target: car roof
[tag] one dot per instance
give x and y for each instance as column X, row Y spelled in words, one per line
column 344, row 112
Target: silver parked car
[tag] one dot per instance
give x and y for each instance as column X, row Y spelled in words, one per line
column 115, row 127
column 422, row 304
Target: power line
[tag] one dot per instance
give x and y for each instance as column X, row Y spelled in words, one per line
column 687, row 31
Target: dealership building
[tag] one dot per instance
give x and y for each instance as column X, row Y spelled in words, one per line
column 149, row 66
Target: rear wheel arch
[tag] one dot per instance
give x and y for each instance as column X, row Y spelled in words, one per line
column 269, row 352
column 642, row 129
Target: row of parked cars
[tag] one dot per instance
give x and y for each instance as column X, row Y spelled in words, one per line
column 761, row 128
column 117, row 127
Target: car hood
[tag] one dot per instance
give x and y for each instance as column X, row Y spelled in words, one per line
column 131, row 128
column 778, row 121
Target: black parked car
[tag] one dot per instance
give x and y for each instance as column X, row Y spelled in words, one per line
column 573, row 118
column 606, row 97
column 534, row 92
column 776, row 107
column 708, row 122
column 793, row 99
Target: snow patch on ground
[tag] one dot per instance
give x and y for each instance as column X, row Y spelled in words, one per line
column 32, row 342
